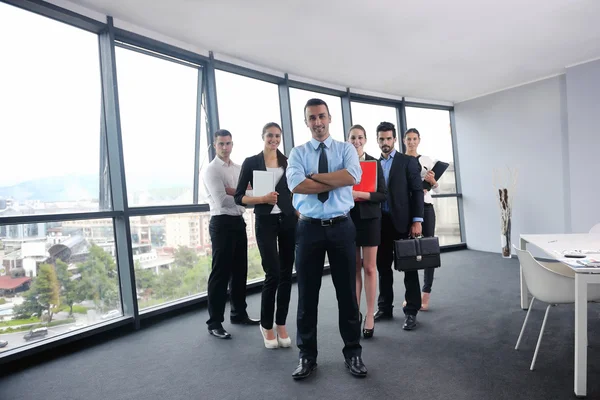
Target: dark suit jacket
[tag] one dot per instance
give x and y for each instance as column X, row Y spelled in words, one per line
column 405, row 191
column 257, row 162
column 371, row 208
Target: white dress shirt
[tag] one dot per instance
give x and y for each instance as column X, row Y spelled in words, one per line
column 217, row 177
column 427, row 165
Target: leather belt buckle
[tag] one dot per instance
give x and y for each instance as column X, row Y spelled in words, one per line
column 327, row 222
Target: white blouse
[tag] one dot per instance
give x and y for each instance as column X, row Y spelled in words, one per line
column 426, row 165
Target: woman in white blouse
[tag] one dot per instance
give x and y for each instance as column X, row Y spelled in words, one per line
column 412, row 138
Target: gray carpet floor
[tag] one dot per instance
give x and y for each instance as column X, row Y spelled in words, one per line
column 463, row 349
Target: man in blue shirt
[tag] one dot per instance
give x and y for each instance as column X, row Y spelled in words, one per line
column 321, row 174
column 401, row 217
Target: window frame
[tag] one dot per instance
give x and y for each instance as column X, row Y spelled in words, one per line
column 108, row 37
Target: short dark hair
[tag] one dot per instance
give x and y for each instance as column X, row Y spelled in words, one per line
column 386, row 126
column 357, row 126
column 223, row 132
column 413, row 130
column 316, row 102
column 270, row 125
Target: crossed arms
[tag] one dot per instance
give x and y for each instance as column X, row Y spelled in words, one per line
column 323, row 182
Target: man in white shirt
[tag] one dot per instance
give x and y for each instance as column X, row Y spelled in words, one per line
column 229, row 242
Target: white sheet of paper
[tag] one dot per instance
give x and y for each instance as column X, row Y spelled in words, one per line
column 264, row 183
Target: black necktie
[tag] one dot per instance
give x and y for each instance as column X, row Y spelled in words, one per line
column 323, row 169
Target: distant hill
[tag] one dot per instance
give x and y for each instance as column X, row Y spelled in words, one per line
column 86, row 187
column 63, row 188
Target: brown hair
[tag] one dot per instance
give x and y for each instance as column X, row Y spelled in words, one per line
column 270, row 125
column 357, row 126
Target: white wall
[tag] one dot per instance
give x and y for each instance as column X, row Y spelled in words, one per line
column 550, row 131
column 583, row 102
column 523, row 128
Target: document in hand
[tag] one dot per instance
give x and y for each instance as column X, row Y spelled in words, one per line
column 263, row 182
column 368, row 181
column 438, row 169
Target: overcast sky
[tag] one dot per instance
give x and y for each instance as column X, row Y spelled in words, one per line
column 50, row 98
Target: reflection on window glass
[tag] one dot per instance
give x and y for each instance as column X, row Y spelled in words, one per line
column 50, row 125
column 55, row 278
column 245, row 106
column 436, row 140
column 172, row 256
column 298, row 99
column 157, row 100
column 447, row 226
column 369, row 116
column 204, row 151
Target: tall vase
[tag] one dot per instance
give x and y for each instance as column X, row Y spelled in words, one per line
column 505, row 239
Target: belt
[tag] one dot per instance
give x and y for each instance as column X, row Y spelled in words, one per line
column 324, row 222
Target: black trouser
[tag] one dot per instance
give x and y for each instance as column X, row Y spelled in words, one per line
column 271, row 230
column 312, row 241
column 229, row 265
column 385, row 258
column 428, row 231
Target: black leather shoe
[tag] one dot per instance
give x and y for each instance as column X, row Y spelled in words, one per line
column 381, row 315
column 304, row 369
column 356, row 366
column 220, row 333
column 410, row 322
column 244, row 321
column 368, row 333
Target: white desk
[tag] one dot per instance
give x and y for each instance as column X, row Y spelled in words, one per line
column 550, row 244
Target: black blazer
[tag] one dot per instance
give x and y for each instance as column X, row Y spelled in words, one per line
column 405, row 191
column 257, row 162
column 371, row 208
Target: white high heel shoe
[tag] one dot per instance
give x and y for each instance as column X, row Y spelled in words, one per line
column 269, row 343
column 283, row 342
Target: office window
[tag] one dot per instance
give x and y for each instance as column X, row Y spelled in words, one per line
column 50, row 101
column 205, row 144
column 298, row 99
column 55, row 278
column 369, row 116
column 245, row 106
column 158, row 100
column 447, row 226
column 172, row 256
column 436, row 140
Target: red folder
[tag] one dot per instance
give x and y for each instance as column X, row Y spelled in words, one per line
column 368, row 181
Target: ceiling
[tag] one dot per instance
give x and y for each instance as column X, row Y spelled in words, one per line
column 430, row 49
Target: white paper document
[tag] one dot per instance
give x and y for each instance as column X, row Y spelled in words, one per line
column 263, row 183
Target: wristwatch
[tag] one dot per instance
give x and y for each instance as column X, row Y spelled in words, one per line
column 309, row 175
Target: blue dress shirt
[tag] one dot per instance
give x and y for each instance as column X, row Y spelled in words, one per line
column 386, row 165
column 304, row 159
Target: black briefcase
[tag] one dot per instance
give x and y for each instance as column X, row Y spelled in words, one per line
column 419, row 253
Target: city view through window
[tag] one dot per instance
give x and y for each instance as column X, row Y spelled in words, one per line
column 60, row 275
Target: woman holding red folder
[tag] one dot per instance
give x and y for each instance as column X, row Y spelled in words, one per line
column 366, row 216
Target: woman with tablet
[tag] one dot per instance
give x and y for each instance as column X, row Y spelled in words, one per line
column 412, row 139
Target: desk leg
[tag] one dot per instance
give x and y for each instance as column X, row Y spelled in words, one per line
column 524, row 291
column 580, row 381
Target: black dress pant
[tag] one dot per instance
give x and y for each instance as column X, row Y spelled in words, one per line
column 385, row 258
column 273, row 231
column 428, row 231
column 229, row 265
column 312, row 241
